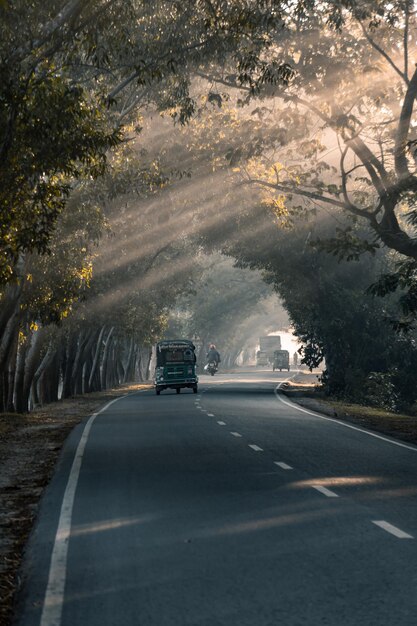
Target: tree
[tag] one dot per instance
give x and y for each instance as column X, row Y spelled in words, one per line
column 73, row 74
column 351, row 74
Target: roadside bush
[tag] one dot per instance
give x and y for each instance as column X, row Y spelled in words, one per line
column 380, row 390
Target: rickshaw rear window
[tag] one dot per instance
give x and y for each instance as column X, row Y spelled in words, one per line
column 174, row 356
column 178, row 355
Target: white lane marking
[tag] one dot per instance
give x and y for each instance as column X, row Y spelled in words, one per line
column 210, row 414
column 283, row 465
column 325, row 491
column 392, row 529
column 54, row 595
column 340, row 423
column 236, row 434
column 221, row 423
column 255, row 447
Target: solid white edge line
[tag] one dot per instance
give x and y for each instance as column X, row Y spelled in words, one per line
column 340, row 423
column 325, row 491
column 235, row 434
column 283, row 465
column 55, row 588
column 393, row 530
column 255, row 447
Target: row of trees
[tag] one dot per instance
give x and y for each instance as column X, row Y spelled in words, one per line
column 332, row 221
column 76, row 78
column 301, row 110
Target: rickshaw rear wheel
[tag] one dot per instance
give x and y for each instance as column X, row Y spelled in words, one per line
column 195, row 389
column 158, row 391
column 178, row 389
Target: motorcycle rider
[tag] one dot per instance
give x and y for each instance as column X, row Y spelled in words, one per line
column 213, row 355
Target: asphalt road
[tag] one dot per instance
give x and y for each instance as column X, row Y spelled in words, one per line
column 228, row 507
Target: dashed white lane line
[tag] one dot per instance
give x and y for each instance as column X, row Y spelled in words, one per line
column 325, row 491
column 236, row 434
column 393, row 530
column 283, row 465
column 221, row 423
column 255, row 447
column 210, row 414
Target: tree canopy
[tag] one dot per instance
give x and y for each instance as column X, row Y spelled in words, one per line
column 138, row 137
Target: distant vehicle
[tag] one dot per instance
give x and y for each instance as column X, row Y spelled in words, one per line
column 281, row 360
column 211, row 368
column 269, row 344
column 175, row 366
column 262, row 358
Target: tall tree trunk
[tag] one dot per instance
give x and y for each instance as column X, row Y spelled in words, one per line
column 120, row 370
column 138, row 365
column 3, row 391
column 52, row 377
column 39, row 374
column 20, row 401
column 106, row 358
column 10, row 304
column 7, row 340
column 96, row 359
column 70, row 353
column 111, row 366
column 84, row 348
column 130, row 355
column 32, row 358
column 148, row 365
column 77, row 366
column 11, row 377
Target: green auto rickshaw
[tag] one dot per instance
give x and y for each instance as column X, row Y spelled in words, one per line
column 175, row 365
column 281, row 360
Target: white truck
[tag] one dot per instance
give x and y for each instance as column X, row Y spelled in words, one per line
column 268, row 345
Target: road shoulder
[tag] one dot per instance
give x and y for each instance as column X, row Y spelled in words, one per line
column 30, row 446
column 303, row 390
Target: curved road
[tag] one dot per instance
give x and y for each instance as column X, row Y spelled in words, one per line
column 230, row 507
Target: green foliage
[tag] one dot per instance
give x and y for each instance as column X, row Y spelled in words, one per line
column 346, row 245
column 58, row 136
column 379, row 390
column 72, row 76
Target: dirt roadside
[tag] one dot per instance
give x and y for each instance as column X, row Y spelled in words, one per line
column 303, row 390
column 30, row 446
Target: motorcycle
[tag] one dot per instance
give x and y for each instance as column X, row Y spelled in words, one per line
column 211, row 368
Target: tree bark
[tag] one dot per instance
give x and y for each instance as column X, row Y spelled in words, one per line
column 11, row 377
column 106, row 358
column 70, row 353
column 32, row 358
column 20, row 402
column 128, row 368
column 77, row 366
column 96, row 357
column 43, row 366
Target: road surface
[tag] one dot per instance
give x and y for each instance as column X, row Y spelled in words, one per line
column 227, row 508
